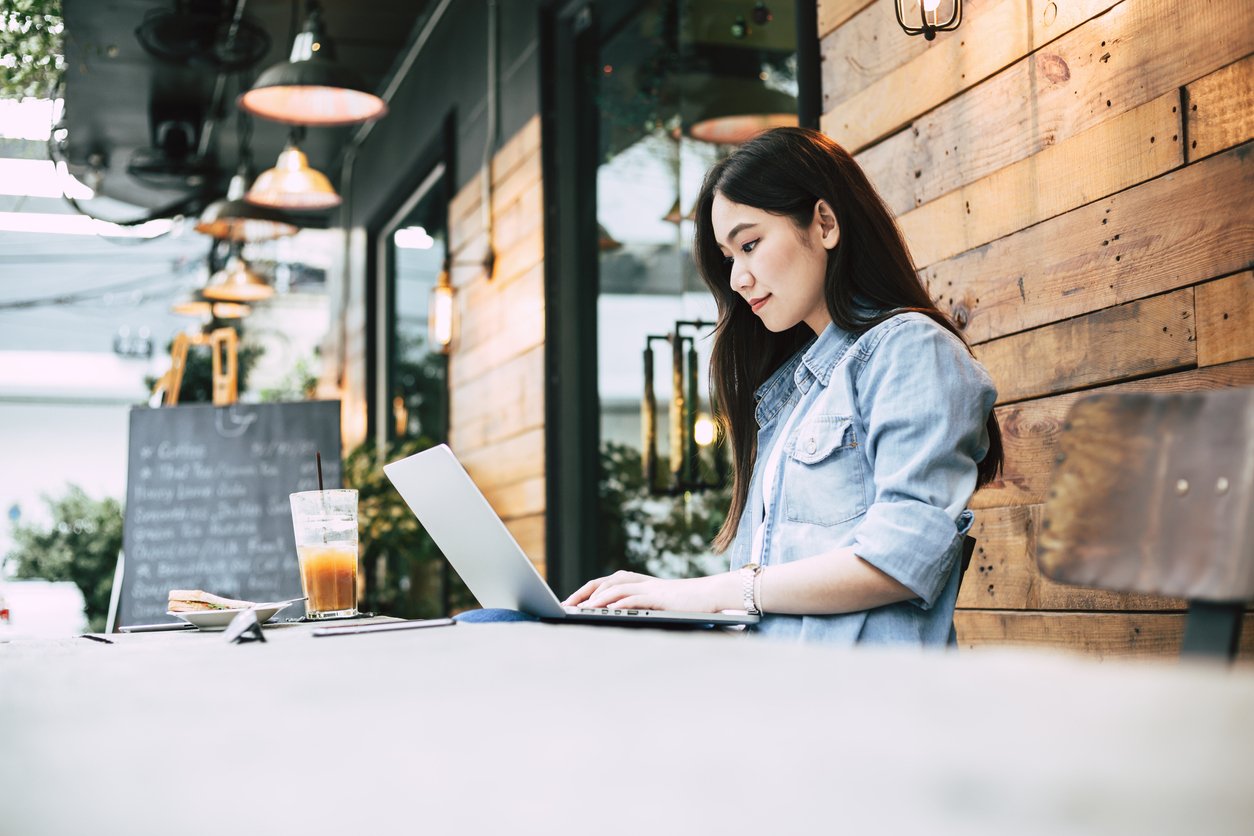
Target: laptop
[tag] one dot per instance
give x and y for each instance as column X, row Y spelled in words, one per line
column 496, row 570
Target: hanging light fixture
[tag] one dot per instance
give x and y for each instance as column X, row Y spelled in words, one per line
column 606, row 242
column 195, row 308
column 732, row 111
column 934, row 16
column 440, row 314
column 231, row 310
column 235, row 219
column 236, row 282
column 207, row 311
column 293, row 185
column 310, row 88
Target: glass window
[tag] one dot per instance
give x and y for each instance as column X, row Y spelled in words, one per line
column 680, row 83
column 419, row 387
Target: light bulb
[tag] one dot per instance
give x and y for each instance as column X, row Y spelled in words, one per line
column 703, row 431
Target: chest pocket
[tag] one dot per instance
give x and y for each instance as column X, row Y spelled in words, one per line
column 823, row 474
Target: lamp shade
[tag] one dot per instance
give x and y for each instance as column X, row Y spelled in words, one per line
column 197, row 308
column 293, row 185
column 732, row 111
column 310, row 88
column 236, row 283
column 200, row 309
column 235, row 219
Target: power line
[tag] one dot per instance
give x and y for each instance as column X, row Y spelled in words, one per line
column 81, row 295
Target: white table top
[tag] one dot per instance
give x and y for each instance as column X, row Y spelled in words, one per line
column 535, row 728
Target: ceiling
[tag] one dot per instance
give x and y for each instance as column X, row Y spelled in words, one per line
column 117, row 94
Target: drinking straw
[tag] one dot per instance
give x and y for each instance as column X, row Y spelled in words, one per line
column 322, row 497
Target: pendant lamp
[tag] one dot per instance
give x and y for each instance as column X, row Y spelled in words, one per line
column 200, row 309
column 235, row 219
column 934, row 16
column 236, row 282
column 732, row 111
column 293, row 185
column 310, row 88
column 195, row 308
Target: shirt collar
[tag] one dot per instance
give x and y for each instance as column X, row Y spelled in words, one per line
column 814, row 362
column 826, row 351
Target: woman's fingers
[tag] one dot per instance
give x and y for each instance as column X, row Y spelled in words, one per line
column 583, row 595
column 584, row 592
column 612, row 594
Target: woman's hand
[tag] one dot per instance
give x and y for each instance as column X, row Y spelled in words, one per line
column 631, row 590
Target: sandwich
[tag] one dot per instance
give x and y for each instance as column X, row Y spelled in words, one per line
column 193, row 600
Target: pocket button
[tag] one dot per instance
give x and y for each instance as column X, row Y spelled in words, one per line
column 811, row 447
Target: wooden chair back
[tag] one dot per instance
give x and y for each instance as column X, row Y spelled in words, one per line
column 1154, row 494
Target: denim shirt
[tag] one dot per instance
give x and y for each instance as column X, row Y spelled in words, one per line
column 882, row 457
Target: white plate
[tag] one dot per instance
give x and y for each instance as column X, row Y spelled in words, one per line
column 219, row 619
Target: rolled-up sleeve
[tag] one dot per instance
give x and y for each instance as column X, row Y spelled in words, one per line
column 925, row 404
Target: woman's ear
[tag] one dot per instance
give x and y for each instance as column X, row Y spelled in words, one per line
column 825, row 220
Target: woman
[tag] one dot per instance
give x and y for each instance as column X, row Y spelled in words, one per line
column 859, row 422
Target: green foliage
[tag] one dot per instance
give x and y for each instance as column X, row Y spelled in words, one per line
column 405, row 571
column 422, row 383
column 81, row 545
column 666, row 536
column 32, row 52
column 299, row 384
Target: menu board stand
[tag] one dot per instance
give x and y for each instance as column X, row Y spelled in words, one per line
column 207, row 501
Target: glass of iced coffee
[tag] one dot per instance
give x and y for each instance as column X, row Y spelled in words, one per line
column 325, row 523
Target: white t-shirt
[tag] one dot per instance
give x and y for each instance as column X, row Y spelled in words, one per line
column 768, row 482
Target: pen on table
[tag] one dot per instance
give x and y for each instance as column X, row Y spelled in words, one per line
column 95, row 638
column 157, row 628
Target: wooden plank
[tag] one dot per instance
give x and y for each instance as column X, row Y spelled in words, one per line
column 990, row 39
column 867, row 47
column 522, row 214
column 500, row 385
column 505, row 162
column 529, row 531
column 1225, row 320
column 1220, row 109
column 1139, row 338
column 506, row 190
column 833, row 13
column 1003, row 573
column 525, row 331
column 493, row 307
column 1030, row 430
column 1105, row 159
column 523, row 144
column 507, row 400
column 519, row 257
column 1101, row 635
column 1125, row 57
column 1182, row 228
column 506, row 461
column 520, row 499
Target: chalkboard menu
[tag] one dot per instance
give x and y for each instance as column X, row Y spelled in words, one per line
column 207, row 500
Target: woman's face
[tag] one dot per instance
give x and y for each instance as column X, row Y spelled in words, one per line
column 777, row 268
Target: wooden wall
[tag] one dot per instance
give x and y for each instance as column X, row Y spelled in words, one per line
column 496, row 367
column 1074, row 178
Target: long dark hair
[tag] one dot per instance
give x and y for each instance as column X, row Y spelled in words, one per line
column 785, row 172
